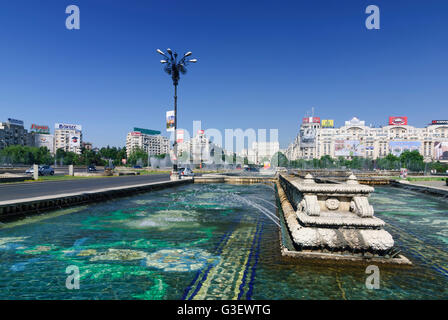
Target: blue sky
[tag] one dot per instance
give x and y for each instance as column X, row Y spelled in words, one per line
column 262, row 64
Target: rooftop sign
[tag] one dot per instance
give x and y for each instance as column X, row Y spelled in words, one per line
column 147, row 131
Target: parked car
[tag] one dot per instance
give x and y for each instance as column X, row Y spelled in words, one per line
column 91, row 168
column 42, row 170
column 186, row 172
column 251, row 169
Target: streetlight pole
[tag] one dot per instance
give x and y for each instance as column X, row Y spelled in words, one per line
column 174, row 68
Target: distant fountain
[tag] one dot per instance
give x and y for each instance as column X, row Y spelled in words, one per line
column 157, row 163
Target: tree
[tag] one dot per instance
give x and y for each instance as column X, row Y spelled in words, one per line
column 412, row 160
column 17, row 154
column 279, row 160
column 138, row 155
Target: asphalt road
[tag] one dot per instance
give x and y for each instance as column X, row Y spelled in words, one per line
column 36, row 189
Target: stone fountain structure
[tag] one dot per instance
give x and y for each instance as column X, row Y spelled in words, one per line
column 335, row 220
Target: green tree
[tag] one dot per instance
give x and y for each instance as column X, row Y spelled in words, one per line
column 138, row 155
column 412, row 160
column 18, row 154
column 279, row 160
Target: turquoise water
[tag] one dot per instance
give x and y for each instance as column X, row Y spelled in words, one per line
column 210, row 242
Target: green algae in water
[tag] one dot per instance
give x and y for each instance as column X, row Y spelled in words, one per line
column 199, row 229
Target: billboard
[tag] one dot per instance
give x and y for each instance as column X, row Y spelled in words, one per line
column 66, row 126
column 147, row 131
column 40, row 129
column 136, row 133
column 327, row 123
column 441, row 150
column 307, row 137
column 311, row 120
column 439, row 122
column 15, row 122
column 398, row 147
column 348, row 148
column 170, row 120
column 398, row 121
column 44, row 140
column 75, row 141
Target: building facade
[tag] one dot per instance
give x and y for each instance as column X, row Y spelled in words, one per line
column 12, row 132
column 196, row 150
column 40, row 137
column 355, row 139
column 151, row 142
column 68, row 137
column 260, row 152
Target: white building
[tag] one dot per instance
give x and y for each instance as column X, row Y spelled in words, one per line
column 196, row 150
column 68, row 137
column 40, row 137
column 153, row 144
column 260, row 152
column 357, row 139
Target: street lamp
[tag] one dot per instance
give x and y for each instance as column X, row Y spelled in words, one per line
column 174, row 68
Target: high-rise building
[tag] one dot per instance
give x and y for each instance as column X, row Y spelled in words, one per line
column 149, row 140
column 12, row 132
column 41, row 137
column 199, row 149
column 261, row 152
column 68, row 137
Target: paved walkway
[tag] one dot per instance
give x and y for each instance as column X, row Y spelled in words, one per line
column 436, row 184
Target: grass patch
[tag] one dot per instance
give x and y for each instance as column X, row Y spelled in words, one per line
column 426, row 179
column 154, row 171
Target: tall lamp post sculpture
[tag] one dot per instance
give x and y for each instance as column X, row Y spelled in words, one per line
column 174, row 68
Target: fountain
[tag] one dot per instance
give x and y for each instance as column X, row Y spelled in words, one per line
column 335, row 221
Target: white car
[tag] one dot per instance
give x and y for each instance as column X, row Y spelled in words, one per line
column 42, row 170
column 186, row 172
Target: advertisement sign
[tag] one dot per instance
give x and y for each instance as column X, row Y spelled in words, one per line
column 44, row 140
column 439, row 122
column 147, row 131
column 170, row 120
column 15, row 122
column 136, row 133
column 398, row 147
column 66, row 126
column 398, row 121
column 180, row 135
column 311, row 120
column 441, row 150
column 40, row 129
column 200, row 132
column 307, row 137
column 348, row 148
column 75, row 141
column 327, row 123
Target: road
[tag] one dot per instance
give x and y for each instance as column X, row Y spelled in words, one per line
column 37, row 189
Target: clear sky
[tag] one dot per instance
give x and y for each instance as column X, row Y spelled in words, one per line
column 262, row 64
